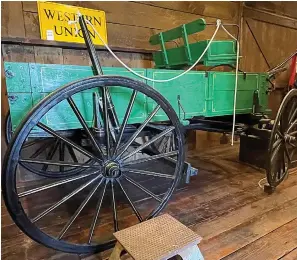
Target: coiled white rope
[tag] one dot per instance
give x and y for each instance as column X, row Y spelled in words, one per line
column 218, row 25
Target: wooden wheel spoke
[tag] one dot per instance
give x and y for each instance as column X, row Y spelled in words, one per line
column 125, row 120
column 62, row 155
column 149, row 173
column 97, row 211
column 277, row 144
column 55, row 184
column 84, row 125
column 67, row 141
column 41, row 149
column 280, row 134
column 292, row 125
column 145, row 190
column 57, row 163
column 150, row 158
column 33, row 142
column 287, row 152
column 137, row 132
column 106, row 121
column 51, row 154
column 293, row 113
column 64, row 199
column 78, row 211
column 72, row 153
column 136, row 212
column 169, row 129
column 114, row 208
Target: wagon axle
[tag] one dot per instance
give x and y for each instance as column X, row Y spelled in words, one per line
column 111, row 170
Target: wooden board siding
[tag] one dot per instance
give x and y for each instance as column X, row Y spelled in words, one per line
column 139, row 22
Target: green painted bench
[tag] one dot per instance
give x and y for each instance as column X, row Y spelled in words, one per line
column 219, row 52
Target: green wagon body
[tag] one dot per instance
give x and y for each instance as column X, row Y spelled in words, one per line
column 195, row 94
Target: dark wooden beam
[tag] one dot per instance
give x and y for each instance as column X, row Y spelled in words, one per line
column 66, row 45
column 270, row 18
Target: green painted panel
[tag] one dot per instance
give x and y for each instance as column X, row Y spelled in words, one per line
column 46, row 78
column 200, row 94
column 190, row 88
column 20, row 104
column 219, row 52
column 17, row 77
column 222, row 86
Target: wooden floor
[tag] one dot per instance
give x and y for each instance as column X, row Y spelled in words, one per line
column 223, row 204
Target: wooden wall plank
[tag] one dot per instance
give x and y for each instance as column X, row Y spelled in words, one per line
column 18, row 53
column 118, row 35
column 48, row 55
column 81, row 57
column 252, row 59
column 133, row 29
column 76, row 57
column 222, row 10
column 281, row 39
column 134, row 60
column 127, row 36
column 12, row 21
column 157, row 15
column 270, row 18
column 285, row 8
column 31, row 22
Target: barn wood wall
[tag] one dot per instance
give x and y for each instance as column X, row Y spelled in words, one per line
column 268, row 33
column 129, row 25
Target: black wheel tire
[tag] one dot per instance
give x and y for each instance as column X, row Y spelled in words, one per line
column 8, row 128
column 11, row 157
column 270, row 170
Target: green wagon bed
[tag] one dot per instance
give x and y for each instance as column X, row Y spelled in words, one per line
column 198, row 93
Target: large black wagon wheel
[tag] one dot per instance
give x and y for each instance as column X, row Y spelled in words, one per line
column 118, row 189
column 283, row 141
column 46, row 147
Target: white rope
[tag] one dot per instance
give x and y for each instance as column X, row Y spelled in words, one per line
column 157, row 80
column 218, row 25
column 260, row 183
column 236, row 83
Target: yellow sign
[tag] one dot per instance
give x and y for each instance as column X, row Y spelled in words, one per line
column 54, row 18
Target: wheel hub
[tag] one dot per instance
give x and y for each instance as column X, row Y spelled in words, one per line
column 111, row 170
column 289, row 138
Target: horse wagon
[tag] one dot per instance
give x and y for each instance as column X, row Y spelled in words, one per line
column 111, row 137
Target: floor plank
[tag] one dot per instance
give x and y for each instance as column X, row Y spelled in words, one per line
column 272, row 246
column 228, row 242
column 291, row 255
column 236, row 217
